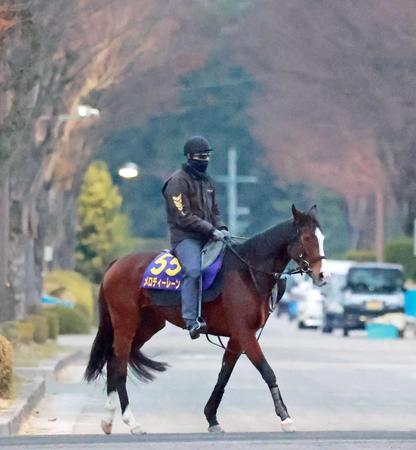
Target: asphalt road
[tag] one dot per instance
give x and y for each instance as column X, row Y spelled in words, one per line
column 232, row 441
column 341, row 393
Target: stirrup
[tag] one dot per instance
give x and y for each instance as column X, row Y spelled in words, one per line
column 199, row 326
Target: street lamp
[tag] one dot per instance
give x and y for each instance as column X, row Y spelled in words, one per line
column 87, row 111
column 129, row 170
column 82, row 112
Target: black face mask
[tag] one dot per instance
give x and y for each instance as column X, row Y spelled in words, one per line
column 200, row 166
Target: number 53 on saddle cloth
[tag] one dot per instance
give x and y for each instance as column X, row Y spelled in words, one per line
column 165, row 272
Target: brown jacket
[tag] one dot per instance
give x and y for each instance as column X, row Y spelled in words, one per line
column 191, row 206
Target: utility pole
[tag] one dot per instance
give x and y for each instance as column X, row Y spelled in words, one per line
column 379, row 212
column 231, row 181
column 414, row 237
column 4, row 226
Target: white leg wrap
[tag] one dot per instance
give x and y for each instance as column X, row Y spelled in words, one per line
column 110, row 407
column 109, row 411
column 131, row 422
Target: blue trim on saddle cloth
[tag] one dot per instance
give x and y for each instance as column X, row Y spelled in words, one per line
column 165, row 273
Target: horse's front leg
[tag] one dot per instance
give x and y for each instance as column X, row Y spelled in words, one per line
column 231, row 355
column 256, row 356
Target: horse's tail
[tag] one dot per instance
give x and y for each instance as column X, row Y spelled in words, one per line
column 141, row 365
column 102, row 348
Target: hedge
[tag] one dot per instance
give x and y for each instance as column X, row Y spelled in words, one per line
column 41, row 327
column 73, row 286
column 400, row 251
column 361, row 255
column 71, row 321
column 53, row 323
column 6, row 364
column 18, row 332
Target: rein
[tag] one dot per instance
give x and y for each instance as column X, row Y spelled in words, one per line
column 303, row 265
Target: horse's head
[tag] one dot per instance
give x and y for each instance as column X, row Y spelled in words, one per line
column 308, row 248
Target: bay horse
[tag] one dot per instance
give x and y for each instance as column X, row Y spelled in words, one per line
column 128, row 318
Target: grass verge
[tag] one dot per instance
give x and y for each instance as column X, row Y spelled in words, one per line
column 33, row 354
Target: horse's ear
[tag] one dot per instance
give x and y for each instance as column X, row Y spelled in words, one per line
column 297, row 215
column 312, row 212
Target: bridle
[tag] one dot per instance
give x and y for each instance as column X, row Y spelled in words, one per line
column 303, row 264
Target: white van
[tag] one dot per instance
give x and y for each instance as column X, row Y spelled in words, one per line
column 333, row 295
column 371, row 289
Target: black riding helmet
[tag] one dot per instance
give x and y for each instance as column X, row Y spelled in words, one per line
column 196, row 144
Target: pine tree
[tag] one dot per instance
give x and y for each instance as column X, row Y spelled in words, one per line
column 103, row 231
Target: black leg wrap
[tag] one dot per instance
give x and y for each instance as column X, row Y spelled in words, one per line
column 270, row 378
column 279, row 405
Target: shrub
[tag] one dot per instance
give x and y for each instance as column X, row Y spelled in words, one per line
column 400, row 251
column 53, row 323
column 69, row 285
column 6, row 363
column 41, row 327
column 361, row 255
column 18, row 332
column 71, row 321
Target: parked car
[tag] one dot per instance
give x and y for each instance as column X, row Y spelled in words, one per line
column 332, row 292
column 372, row 289
column 310, row 312
column 288, row 304
column 309, row 303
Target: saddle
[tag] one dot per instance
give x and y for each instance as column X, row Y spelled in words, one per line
column 164, row 282
column 163, row 277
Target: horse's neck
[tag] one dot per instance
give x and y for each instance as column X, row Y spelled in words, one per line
column 268, row 250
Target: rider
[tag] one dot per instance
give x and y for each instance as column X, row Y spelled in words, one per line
column 193, row 219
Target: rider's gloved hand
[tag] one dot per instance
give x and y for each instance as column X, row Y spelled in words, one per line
column 225, row 233
column 217, row 235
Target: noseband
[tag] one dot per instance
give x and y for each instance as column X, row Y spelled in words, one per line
column 304, row 265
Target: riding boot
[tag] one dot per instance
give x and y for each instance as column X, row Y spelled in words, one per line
column 196, row 327
column 189, row 254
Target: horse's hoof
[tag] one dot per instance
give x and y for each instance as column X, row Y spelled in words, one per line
column 215, row 429
column 106, row 427
column 288, row 425
column 137, row 430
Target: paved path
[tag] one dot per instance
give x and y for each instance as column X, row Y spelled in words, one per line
column 233, row 441
column 328, row 383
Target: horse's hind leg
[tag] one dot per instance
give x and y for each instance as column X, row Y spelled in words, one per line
column 231, row 355
column 126, row 350
column 256, row 356
column 124, row 332
column 122, row 349
column 111, row 403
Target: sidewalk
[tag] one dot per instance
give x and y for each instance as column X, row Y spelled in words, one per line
column 35, row 379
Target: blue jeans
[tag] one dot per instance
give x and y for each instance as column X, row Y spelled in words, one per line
column 188, row 252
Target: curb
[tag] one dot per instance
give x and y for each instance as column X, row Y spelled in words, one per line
column 29, row 396
column 32, row 392
column 67, row 359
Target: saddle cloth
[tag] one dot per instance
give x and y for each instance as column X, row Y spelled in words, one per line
column 165, row 272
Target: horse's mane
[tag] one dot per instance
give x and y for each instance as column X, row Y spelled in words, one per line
column 273, row 237
column 261, row 243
